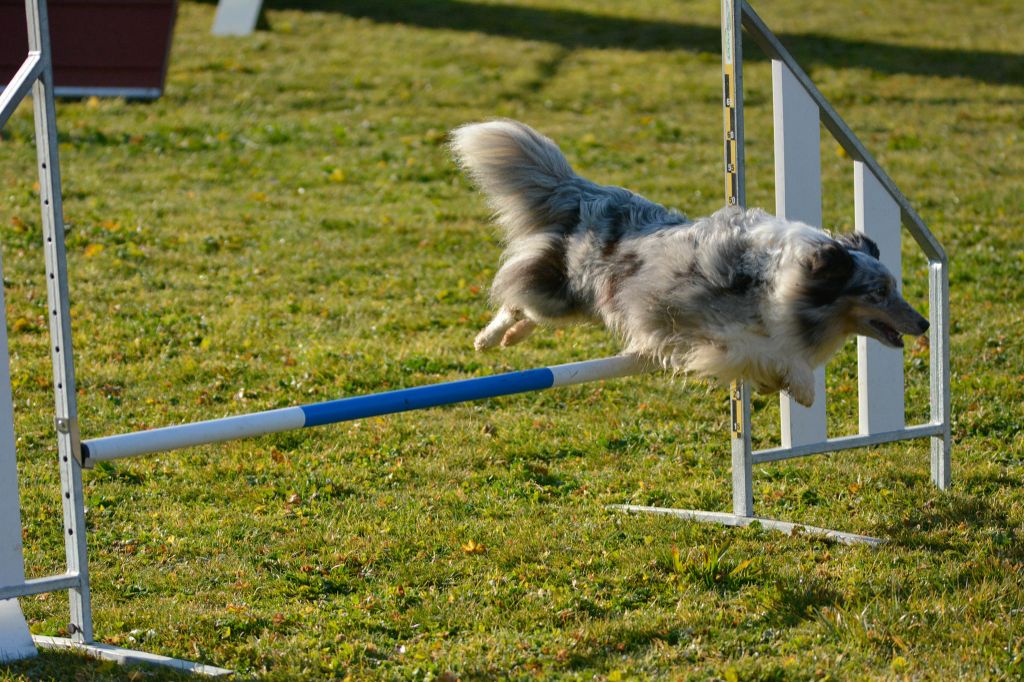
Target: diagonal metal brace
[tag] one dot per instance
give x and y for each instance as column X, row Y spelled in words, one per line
column 20, row 85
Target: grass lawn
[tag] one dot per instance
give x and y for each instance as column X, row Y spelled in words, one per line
column 285, row 226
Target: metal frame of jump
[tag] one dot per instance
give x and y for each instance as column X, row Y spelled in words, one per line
column 799, row 106
column 880, row 209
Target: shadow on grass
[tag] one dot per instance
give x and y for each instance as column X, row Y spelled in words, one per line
column 789, row 603
column 947, row 521
column 611, row 646
column 573, row 29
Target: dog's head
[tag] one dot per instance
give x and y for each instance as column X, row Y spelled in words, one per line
column 845, row 275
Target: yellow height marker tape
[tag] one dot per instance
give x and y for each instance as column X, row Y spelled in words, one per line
column 732, row 179
column 736, row 408
column 731, row 107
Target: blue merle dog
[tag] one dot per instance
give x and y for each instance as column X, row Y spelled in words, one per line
column 740, row 294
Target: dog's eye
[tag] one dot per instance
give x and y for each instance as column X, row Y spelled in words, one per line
column 876, row 296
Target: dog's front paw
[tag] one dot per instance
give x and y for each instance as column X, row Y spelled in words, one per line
column 805, row 398
column 486, row 339
column 800, row 387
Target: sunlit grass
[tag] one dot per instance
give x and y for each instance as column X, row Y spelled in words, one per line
column 285, row 226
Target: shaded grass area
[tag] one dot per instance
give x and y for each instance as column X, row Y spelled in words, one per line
column 284, row 226
column 572, row 28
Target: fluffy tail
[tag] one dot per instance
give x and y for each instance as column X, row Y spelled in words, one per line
column 527, row 180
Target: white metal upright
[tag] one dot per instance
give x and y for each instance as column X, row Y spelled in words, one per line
column 15, row 641
column 879, row 369
column 798, row 197
column 942, row 440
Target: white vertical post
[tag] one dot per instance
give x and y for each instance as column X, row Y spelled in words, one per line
column 59, row 314
column 879, row 369
column 798, row 197
column 15, row 640
column 938, row 280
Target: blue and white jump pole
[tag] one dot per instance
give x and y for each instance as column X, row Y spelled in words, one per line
column 358, row 407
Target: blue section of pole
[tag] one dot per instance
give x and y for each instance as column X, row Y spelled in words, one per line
column 422, row 397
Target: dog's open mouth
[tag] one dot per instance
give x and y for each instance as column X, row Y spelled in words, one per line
column 887, row 334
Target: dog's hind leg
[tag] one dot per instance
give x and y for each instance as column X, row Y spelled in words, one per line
column 518, row 332
column 495, row 332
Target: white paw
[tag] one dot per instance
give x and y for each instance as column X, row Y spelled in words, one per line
column 488, row 338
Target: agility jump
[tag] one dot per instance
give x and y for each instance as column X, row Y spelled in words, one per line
column 799, row 108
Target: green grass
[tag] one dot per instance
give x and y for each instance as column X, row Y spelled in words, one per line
column 284, row 226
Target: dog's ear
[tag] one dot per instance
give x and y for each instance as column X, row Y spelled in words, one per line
column 829, row 268
column 859, row 242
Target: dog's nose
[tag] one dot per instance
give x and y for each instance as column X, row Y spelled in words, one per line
column 923, row 326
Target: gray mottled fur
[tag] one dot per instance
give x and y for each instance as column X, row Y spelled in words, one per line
column 739, row 294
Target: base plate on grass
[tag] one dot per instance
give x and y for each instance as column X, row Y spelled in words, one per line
column 734, row 520
column 107, row 652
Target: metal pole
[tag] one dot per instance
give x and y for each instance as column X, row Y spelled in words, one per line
column 938, row 280
column 66, row 409
column 736, row 195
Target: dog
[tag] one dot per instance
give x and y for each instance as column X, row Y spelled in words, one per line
column 738, row 295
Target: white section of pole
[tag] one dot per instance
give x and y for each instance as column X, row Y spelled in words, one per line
column 199, row 433
column 596, row 370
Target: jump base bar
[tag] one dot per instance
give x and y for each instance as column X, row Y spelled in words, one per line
column 734, row 520
column 106, row 652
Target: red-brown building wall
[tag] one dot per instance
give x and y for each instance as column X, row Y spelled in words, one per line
column 99, row 47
